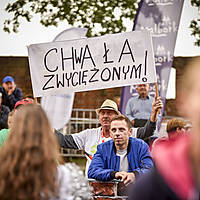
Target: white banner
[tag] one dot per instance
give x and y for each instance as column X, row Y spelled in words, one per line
column 59, row 107
column 92, row 63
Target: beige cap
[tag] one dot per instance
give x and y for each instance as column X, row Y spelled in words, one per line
column 108, row 105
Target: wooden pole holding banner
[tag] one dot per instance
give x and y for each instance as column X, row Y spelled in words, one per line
column 156, row 87
column 36, row 100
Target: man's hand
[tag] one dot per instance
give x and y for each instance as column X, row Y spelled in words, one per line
column 156, row 106
column 126, row 177
column 9, row 88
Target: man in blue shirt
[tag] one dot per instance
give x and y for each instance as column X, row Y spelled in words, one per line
column 138, row 109
column 123, row 157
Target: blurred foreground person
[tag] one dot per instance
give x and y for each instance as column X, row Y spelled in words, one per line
column 29, row 170
column 177, row 161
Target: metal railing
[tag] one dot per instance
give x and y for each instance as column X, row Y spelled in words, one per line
column 81, row 119
column 72, row 152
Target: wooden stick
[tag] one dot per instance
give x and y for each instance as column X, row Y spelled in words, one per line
column 156, row 87
column 36, row 100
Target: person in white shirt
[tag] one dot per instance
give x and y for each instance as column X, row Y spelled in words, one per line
column 88, row 139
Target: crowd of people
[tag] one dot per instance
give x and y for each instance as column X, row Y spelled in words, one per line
column 162, row 168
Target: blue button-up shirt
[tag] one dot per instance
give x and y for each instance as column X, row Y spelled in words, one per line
column 139, row 108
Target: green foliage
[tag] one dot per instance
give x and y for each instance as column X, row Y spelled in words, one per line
column 195, row 24
column 106, row 16
column 99, row 16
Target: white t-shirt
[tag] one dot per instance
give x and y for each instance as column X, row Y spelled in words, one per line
column 88, row 140
column 123, row 160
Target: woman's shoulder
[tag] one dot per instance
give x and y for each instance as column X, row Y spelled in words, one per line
column 72, row 182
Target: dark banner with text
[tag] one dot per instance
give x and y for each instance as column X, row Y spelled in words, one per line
column 161, row 18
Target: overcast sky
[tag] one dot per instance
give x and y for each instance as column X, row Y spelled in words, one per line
column 15, row 44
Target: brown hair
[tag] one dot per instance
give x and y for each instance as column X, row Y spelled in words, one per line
column 175, row 123
column 11, row 113
column 28, row 168
column 121, row 118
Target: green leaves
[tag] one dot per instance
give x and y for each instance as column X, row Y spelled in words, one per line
column 195, row 24
column 82, row 13
column 99, row 16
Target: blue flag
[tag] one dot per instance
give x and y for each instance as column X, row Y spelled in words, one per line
column 161, row 18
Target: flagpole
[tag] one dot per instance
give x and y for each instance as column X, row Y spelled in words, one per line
column 156, row 88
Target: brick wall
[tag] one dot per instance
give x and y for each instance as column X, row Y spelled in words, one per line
column 108, row 190
column 95, row 98
column 171, row 104
column 18, row 68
